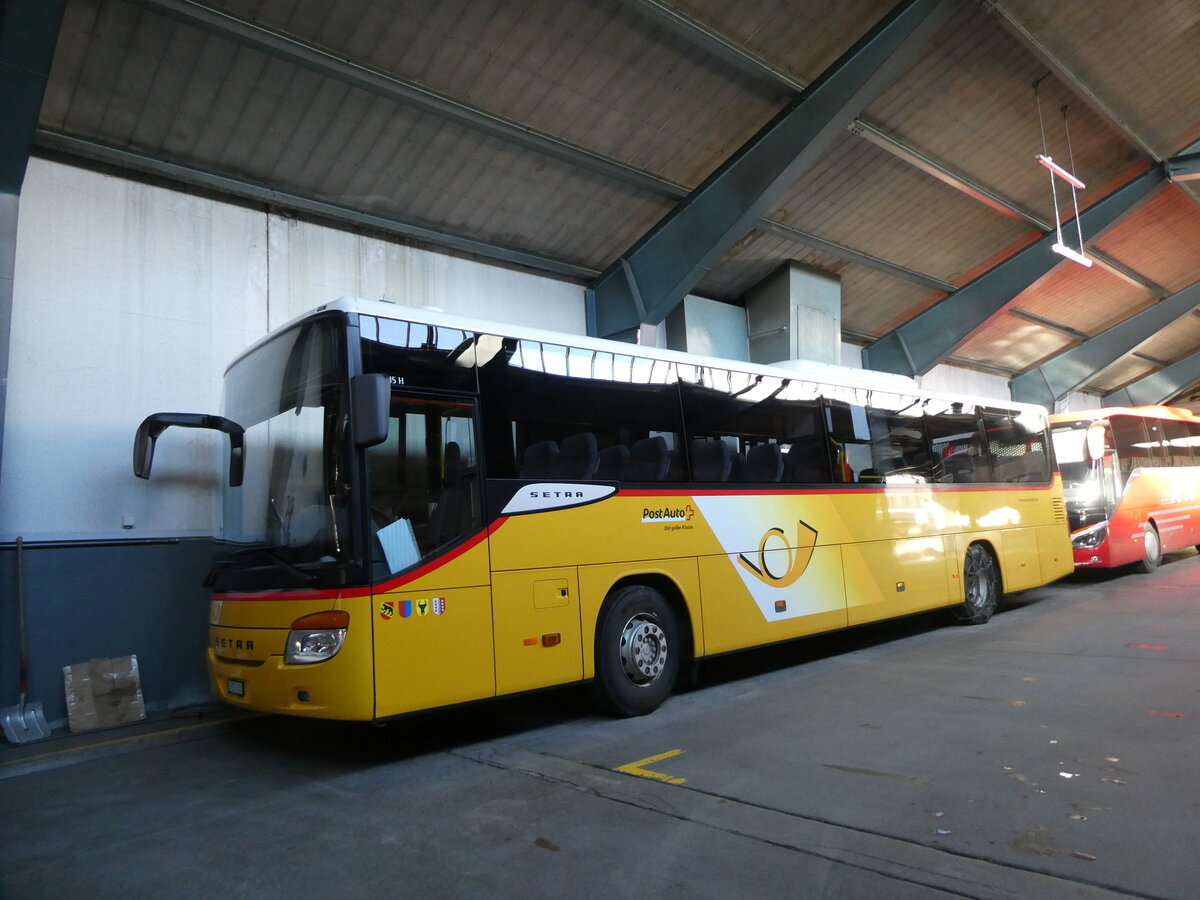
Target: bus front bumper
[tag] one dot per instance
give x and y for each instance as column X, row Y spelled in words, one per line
column 338, row 688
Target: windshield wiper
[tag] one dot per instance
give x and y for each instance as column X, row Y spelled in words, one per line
column 301, row 577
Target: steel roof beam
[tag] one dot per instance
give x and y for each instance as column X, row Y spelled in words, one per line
column 28, row 35
column 665, row 264
column 929, row 337
column 1158, row 387
column 1058, row 376
column 264, row 193
column 1185, row 167
column 1049, row 323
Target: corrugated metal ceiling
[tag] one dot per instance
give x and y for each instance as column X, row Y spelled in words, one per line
column 589, row 84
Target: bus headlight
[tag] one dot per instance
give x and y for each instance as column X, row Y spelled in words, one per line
column 1087, row 538
column 316, row 638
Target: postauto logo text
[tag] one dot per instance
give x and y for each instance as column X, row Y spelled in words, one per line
column 668, row 514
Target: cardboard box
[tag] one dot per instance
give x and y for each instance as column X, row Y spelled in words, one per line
column 103, row 693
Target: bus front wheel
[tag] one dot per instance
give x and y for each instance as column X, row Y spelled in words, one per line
column 637, row 651
column 1151, row 549
column 981, row 587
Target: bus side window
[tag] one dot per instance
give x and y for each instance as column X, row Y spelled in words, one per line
column 1178, row 442
column 573, row 414
column 849, row 440
column 1017, row 448
column 959, row 456
column 771, row 427
column 1132, row 442
column 899, row 451
column 1157, row 440
column 1193, row 429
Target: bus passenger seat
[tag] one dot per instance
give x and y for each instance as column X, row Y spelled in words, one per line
column 959, row 468
column 808, row 463
column 737, row 468
column 711, row 460
column 578, row 457
column 611, row 463
column 540, row 460
column 648, row 460
column 764, row 464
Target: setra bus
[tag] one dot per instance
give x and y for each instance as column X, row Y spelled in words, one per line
column 427, row 510
column 1132, row 483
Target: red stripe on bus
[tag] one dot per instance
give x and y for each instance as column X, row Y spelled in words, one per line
column 435, row 564
column 889, row 489
column 334, row 594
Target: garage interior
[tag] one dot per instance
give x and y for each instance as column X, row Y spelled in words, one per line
column 176, row 177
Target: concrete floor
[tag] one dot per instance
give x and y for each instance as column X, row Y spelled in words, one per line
column 1051, row 753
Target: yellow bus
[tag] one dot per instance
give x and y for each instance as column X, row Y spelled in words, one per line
column 427, row 510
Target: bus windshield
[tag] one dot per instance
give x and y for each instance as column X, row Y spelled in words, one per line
column 1090, row 487
column 290, row 519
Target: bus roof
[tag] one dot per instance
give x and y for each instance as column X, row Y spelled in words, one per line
column 806, row 370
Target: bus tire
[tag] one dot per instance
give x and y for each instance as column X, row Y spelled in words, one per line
column 638, row 648
column 1151, row 550
column 981, row 587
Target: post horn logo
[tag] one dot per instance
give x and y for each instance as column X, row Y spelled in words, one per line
column 798, row 556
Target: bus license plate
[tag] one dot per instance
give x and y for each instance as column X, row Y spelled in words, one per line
column 235, row 688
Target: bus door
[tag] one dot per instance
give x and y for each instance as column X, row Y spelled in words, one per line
column 431, row 597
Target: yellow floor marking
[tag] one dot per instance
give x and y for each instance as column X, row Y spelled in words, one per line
column 635, row 768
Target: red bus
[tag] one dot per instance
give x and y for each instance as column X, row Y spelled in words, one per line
column 1131, row 476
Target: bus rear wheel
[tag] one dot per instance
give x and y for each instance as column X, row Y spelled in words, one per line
column 1151, row 549
column 637, row 651
column 981, row 587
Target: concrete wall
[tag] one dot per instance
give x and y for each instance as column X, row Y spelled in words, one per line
column 131, row 298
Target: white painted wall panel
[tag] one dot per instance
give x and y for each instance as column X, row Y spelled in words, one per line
column 128, row 299
column 131, row 299
column 312, row 264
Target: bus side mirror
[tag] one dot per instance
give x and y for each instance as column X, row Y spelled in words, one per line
column 154, row 425
column 370, row 396
column 1095, row 442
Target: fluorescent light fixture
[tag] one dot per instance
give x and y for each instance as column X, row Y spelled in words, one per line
column 1060, row 171
column 1066, row 251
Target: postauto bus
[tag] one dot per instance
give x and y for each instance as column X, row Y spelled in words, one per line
column 427, row 510
column 1132, row 482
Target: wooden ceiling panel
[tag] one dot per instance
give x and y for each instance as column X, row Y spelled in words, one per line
column 1160, row 239
column 1086, row 299
column 1140, row 58
column 1179, row 339
column 1013, row 343
column 862, row 197
column 1119, row 374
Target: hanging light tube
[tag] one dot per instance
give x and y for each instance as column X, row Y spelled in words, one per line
column 1063, row 250
column 1060, row 171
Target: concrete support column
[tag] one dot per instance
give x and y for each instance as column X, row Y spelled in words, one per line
column 795, row 313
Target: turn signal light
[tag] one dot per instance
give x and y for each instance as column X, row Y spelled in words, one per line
column 334, row 618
